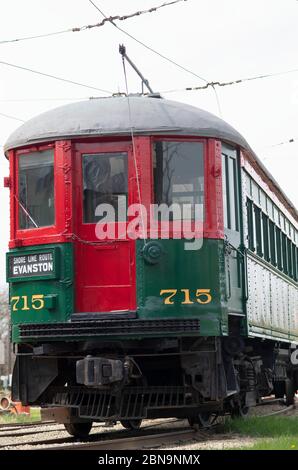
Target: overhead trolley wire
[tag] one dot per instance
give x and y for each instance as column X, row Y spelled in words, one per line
column 286, row 142
column 110, row 19
column 97, row 25
column 11, row 117
column 54, row 77
column 40, row 36
column 234, row 82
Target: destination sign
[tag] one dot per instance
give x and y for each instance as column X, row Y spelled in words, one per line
column 31, row 265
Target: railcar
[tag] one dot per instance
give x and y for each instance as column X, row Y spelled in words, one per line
column 108, row 325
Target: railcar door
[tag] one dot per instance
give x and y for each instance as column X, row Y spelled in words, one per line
column 104, row 256
column 233, row 256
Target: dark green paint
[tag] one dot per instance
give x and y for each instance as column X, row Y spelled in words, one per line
column 176, row 269
column 182, row 269
column 59, row 292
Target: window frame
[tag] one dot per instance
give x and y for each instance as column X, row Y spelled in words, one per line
column 113, row 153
column 40, row 235
column 188, row 224
column 278, row 234
column 231, row 179
column 18, row 211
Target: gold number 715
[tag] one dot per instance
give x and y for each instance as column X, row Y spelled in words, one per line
column 202, row 296
column 22, row 302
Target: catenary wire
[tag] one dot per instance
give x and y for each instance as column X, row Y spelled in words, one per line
column 54, row 77
column 102, row 23
column 159, row 54
column 11, row 117
column 146, row 46
column 233, row 82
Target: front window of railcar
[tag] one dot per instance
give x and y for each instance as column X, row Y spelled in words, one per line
column 36, row 190
column 105, row 179
column 179, row 177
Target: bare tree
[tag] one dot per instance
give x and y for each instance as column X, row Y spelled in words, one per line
column 5, row 331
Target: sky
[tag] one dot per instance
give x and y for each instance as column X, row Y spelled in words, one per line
column 219, row 40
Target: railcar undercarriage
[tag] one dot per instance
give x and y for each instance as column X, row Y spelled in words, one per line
column 129, row 381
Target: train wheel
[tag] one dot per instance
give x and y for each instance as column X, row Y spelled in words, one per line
column 80, row 430
column 200, row 421
column 279, row 389
column 131, row 423
column 240, row 411
column 290, row 392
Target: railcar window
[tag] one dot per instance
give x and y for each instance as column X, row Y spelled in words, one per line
column 36, row 190
column 290, row 259
column 295, row 261
column 255, row 192
column 179, row 177
column 250, row 224
column 269, row 232
column 278, row 248
column 258, row 226
column 285, row 253
column 105, row 181
column 230, row 190
column 272, row 243
column 265, row 223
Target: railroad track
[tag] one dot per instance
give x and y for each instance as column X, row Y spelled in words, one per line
column 150, row 436
column 141, row 442
column 12, row 426
column 120, row 434
column 279, row 412
column 152, row 441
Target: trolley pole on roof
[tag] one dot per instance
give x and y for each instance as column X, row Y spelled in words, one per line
column 122, row 50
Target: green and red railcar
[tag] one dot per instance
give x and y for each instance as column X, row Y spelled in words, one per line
column 126, row 329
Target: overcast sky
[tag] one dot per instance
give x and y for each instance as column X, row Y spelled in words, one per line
column 220, row 40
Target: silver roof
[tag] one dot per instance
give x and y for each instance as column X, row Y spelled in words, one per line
column 110, row 116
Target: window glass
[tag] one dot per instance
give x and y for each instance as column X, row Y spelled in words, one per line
column 282, row 221
column 276, row 215
column 287, row 227
column 265, row 224
column 233, row 193
column 284, row 253
column 255, row 192
column 263, row 200
column 279, row 248
column 290, row 257
column 248, row 184
column 258, row 231
column 179, row 177
column 295, row 261
column 230, row 190
column 36, row 190
column 269, row 208
column 272, row 243
column 105, row 181
column 225, row 192
column 250, row 223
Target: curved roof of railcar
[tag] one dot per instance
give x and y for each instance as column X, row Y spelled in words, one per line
column 111, row 117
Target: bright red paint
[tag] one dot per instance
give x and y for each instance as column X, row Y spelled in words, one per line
column 105, row 272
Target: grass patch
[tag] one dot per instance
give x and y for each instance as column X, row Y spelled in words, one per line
column 272, row 432
column 14, row 418
column 271, row 426
column 279, row 443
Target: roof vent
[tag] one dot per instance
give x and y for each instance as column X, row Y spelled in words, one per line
column 155, row 95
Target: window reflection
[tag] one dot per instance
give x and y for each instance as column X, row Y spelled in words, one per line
column 179, row 176
column 105, row 179
column 36, row 190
